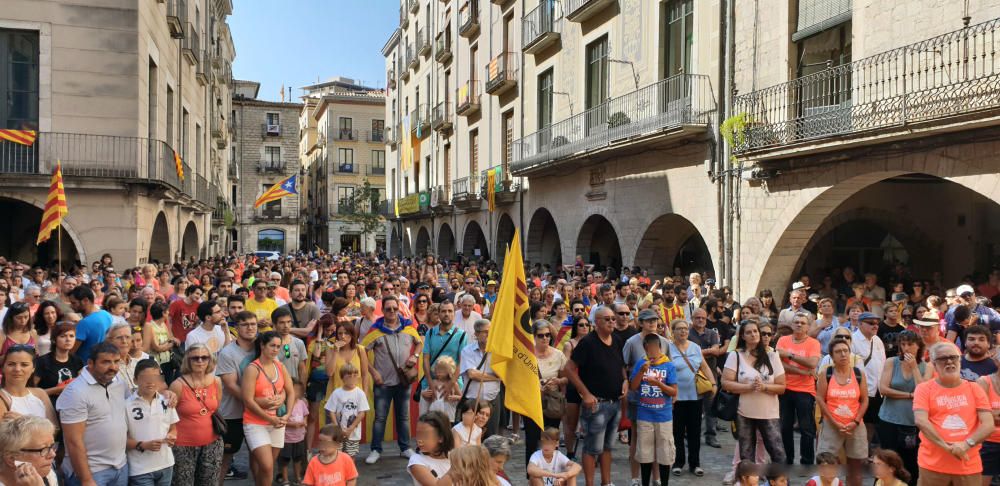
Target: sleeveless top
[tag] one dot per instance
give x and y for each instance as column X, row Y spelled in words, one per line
column 44, row 344
column 899, row 411
column 9, row 342
column 335, row 380
column 843, row 401
column 264, row 387
column 161, row 336
column 195, row 428
column 994, row 396
column 26, row 405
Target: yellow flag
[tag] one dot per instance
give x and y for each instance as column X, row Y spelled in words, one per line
column 511, row 344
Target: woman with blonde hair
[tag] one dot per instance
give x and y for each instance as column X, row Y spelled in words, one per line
column 470, row 466
column 27, row 448
column 198, row 449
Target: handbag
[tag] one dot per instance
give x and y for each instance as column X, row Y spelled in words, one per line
column 553, row 404
column 702, row 384
column 726, row 404
column 219, row 426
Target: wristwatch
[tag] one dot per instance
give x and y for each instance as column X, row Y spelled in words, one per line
column 971, row 443
column 138, row 447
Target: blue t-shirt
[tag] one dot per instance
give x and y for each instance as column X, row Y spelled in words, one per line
column 654, row 406
column 90, row 331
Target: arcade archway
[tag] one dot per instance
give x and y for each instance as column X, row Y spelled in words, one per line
column 598, row 243
column 542, row 244
column 474, row 242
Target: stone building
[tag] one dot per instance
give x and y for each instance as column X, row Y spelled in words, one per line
column 114, row 91
column 863, row 135
column 265, row 149
column 342, row 148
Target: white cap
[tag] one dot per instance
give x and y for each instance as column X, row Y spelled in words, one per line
column 799, row 285
column 964, row 289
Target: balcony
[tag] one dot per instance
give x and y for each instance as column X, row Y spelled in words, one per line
column 386, row 209
column 420, row 122
column 345, row 167
column 465, row 193
column 176, row 17
column 376, row 136
column 346, row 135
column 221, row 208
column 377, row 170
column 423, row 42
column 468, row 19
column 501, row 74
column 404, row 68
column 442, row 48
column 414, row 5
column 234, row 170
column 441, row 117
column 99, row 158
column 191, row 44
column 390, row 78
column 270, row 130
column 275, row 211
column 413, row 61
column 467, row 97
column 344, row 207
column 917, row 88
column 392, row 136
column 541, row 27
column 271, row 166
column 204, row 73
column 404, row 18
column 217, row 127
column 225, row 74
column 583, row 10
column 673, row 109
column 505, row 189
column 441, row 200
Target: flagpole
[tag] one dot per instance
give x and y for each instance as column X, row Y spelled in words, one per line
column 479, row 396
column 59, row 248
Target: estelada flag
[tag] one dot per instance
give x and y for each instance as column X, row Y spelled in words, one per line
column 23, row 137
column 55, row 206
column 510, row 342
column 284, row 188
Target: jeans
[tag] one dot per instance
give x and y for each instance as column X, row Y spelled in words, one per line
column 770, row 431
column 107, row 477
column 798, row 405
column 599, row 426
column 399, row 397
column 710, row 419
column 687, row 425
column 155, row 478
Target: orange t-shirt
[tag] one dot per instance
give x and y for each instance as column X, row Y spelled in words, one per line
column 953, row 413
column 808, row 348
column 844, row 401
column 994, row 397
column 337, row 473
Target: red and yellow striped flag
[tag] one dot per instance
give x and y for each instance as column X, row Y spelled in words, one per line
column 23, row 137
column 179, row 164
column 55, row 206
column 491, row 190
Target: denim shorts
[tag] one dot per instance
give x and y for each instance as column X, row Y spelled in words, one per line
column 600, row 426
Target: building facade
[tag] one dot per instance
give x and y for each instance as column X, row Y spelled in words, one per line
column 854, row 133
column 343, row 150
column 265, row 150
column 114, row 92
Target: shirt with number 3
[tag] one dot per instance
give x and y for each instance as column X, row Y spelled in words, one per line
column 149, row 421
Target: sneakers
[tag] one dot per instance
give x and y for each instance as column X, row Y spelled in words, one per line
column 407, row 453
column 635, row 482
column 656, row 482
column 373, row 457
column 730, row 478
column 232, row 473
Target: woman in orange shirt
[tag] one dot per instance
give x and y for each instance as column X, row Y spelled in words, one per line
column 267, row 396
column 197, row 451
column 843, row 405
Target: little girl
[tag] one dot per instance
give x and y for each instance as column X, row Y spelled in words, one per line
column 469, row 410
column 116, row 307
column 444, row 387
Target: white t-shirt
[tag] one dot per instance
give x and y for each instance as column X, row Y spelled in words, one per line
column 463, row 434
column 558, row 464
column 438, row 467
column 149, row 421
column 348, row 404
column 861, row 346
column 214, row 339
column 756, row 405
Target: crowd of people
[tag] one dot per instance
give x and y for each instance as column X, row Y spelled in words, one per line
column 159, row 374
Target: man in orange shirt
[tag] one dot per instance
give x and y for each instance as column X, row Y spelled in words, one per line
column 954, row 417
column 799, row 354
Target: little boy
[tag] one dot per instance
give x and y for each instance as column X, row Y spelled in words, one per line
column 655, row 378
column 828, row 465
column 330, row 467
column 548, row 466
column 152, row 429
column 347, row 406
column 294, row 451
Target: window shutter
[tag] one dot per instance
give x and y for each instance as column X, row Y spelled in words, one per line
column 818, row 15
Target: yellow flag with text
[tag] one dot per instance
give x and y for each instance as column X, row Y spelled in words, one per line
column 511, row 343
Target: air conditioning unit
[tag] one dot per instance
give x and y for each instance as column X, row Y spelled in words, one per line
column 273, row 129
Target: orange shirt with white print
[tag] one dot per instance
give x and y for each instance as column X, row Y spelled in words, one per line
column 336, row 473
column 954, row 414
column 994, row 397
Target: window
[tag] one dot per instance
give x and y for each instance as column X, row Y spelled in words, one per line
column 170, row 116
column 377, row 196
column 597, row 84
column 273, row 119
column 151, row 107
column 507, row 142
column 271, row 209
column 378, row 125
column 272, row 158
column 545, row 99
column 680, row 36
column 197, row 149
column 184, row 134
column 345, row 199
column 473, row 151
column 271, row 240
column 19, row 81
column 345, row 158
column 378, row 162
column 346, row 128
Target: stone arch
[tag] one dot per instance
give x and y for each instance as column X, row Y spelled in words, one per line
column 423, row 246
column 505, row 235
column 189, row 242
column 21, row 226
column 395, row 243
column 543, row 244
column 159, row 241
column 446, row 242
column 598, row 243
column 407, row 249
column 475, row 239
column 672, row 241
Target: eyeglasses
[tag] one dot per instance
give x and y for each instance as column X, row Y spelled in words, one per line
column 579, row 309
column 200, row 358
column 49, row 450
column 624, row 313
column 947, row 359
column 389, row 309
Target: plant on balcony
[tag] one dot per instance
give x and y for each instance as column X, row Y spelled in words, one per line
column 618, row 119
column 733, row 130
column 229, row 218
column 559, row 141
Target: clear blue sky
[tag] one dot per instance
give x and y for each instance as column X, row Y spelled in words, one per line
column 294, row 42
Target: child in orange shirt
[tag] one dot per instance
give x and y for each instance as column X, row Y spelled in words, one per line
column 331, row 467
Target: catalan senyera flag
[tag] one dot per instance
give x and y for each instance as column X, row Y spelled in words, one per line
column 179, row 165
column 23, row 137
column 407, row 144
column 284, row 188
column 55, row 206
column 511, row 342
column 491, row 190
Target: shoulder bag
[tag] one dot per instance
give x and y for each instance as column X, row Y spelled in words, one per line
column 407, row 374
column 416, row 393
column 702, row 384
column 465, row 389
column 283, row 409
column 727, row 404
column 219, row 426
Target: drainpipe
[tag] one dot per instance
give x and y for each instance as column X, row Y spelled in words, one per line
column 520, row 98
column 732, row 175
column 720, row 172
column 180, row 123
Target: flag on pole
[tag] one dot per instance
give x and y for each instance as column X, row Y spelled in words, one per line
column 407, row 144
column 55, row 206
column 179, row 165
column 491, row 190
column 23, row 137
column 282, row 92
column 510, row 340
column 284, row 188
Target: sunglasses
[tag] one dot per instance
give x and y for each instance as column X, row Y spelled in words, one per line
column 200, row 358
column 766, row 334
column 947, row 359
column 543, row 336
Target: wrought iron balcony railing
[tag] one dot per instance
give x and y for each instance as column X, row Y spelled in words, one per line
column 684, row 99
column 468, row 18
column 191, row 45
column 465, row 187
column 404, row 17
column 441, row 117
column 542, row 26
column 467, row 98
column 501, row 73
column 581, row 10
column 274, row 165
column 390, row 77
column 347, row 134
column 442, row 49
column 945, row 76
column 420, row 121
column 423, row 42
column 176, row 17
column 376, row 136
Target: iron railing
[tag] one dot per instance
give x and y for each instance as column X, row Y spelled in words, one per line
column 344, row 167
column 442, row 47
column 191, row 45
column 684, row 99
column 504, row 178
column 271, row 165
column 176, row 17
column 414, row 5
column 390, row 77
column 274, row 210
column 376, row 170
column 465, row 187
column 544, row 19
column 423, row 41
column 347, row 134
column 468, row 17
column 467, row 98
column 376, row 136
column 501, row 70
column 404, row 18
column 386, row 209
column 412, row 60
column 420, row 120
column 441, row 116
column 201, row 191
column 952, row 74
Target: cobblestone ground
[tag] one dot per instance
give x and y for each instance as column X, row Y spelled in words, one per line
column 391, row 469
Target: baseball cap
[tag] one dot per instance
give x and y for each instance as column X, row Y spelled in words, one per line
column 423, row 285
column 491, row 282
column 799, row 286
column 964, row 289
column 865, row 316
column 648, row 315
